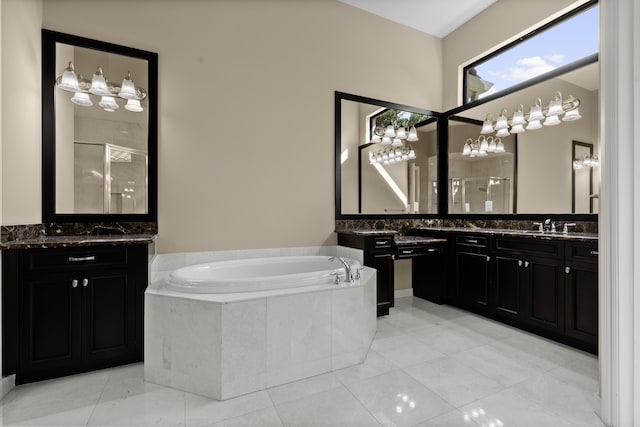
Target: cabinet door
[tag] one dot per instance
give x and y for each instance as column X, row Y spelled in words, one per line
column 49, row 326
column 428, row 276
column 507, row 300
column 108, row 317
column 581, row 317
column 544, row 283
column 473, row 279
column 383, row 263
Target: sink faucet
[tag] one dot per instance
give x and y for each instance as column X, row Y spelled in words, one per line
column 565, row 229
column 347, row 269
column 549, row 225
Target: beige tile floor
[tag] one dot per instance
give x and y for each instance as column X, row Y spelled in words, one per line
column 429, row 365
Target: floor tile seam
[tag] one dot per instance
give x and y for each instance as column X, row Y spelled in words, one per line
column 434, row 392
column 104, row 387
column 361, row 403
column 306, row 395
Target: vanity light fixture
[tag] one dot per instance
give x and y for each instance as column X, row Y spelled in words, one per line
column 482, row 146
column 392, row 156
column 590, row 161
column 100, row 86
column 537, row 117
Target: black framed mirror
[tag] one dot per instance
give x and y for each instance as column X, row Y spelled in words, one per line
column 99, row 131
column 379, row 175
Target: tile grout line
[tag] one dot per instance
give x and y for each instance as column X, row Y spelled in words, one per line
column 104, row 387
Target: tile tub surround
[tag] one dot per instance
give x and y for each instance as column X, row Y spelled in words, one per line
column 226, row 345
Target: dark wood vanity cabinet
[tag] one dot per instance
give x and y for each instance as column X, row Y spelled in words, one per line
column 581, row 292
column 472, row 266
column 70, row 310
column 428, row 277
column 379, row 254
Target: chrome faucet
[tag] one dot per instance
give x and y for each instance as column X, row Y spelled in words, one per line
column 565, row 229
column 347, row 269
column 549, row 225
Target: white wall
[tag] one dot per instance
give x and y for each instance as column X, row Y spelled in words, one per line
column 21, row 134
column 501, row 22
column 246, row 106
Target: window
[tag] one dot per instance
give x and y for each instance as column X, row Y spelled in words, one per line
column 556, row 47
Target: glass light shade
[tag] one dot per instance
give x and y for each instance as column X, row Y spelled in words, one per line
column 413, row 134
column 390, row 132
column 577, row 164
column 572, row 115
column 482, row 153
column 128, row 89
column 487, row 126
column 518, row 117
column 69, row 79
column 405, row 156
column 99, row 84
column 474, row 152
column 467, row 149
column 385, row 162
column 492, row 146
column 396, row 142
column 555, row 106
column 502, row 133
column 551, row 121
column 535, row 114
column 484, row 145
column 534, row 124
column 81, row 98
column 379, row 158
column 108, row 103
column 401, row 133
column 502, row 123
column 385, row 156
column 373, row 160
column 517, row 128
column 386, row 140
column 392, row 160
column 500, row 147
column 398, row 153
column 412, row 154
column 375, row 139
column 133, row 105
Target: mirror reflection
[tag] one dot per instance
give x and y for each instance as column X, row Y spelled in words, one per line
column 388, row 160
column 101, row 124
column 535, row 173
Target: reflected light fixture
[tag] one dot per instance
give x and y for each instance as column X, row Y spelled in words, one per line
column 537, row 117
column 482, row 146
column 588, row 160
column 100, row 86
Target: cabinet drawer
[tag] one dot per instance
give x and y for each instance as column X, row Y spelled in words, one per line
column 480, row 242
column 537, row 247
column 382, row 242
column 582, row 252
column 65, row 258
column 412, row 251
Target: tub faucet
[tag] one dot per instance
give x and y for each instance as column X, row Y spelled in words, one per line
column 347, row 268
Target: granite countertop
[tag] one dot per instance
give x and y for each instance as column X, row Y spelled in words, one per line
column 368, row 232
column 535, row 234
column 80, row 240
column 417, row 240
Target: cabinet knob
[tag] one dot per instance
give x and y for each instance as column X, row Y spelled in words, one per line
column 488, row 258
column 567, row 270
column 74, row 283
column 520, row 263
column 85, row 282
column 526, row 264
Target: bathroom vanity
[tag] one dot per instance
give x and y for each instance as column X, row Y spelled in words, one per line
column 72, row 304
column 546, row 283
column 382, row 247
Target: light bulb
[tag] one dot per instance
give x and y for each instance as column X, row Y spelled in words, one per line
column 534, row 124
column 413, row 134
column 69, row 79
column 128, row 89
column 82, row 98
column 487, row 126
column 99, row 84
column 402, row 133
column 108, row 103
column 551, row 121
column 390, row 132
column 572, row 115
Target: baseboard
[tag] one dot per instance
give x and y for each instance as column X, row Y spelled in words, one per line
column 403, row 293
column 6, row 385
